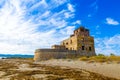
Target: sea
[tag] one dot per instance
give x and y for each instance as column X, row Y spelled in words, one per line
column 15, row 56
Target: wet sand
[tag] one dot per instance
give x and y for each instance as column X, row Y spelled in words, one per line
column 20, row 69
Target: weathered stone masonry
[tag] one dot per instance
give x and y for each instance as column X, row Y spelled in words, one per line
column 79, row 44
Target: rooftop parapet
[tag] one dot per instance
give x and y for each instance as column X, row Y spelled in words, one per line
column 82, row 31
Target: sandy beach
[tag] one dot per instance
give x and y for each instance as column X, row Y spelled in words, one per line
column 110, row 70
column 62, row 69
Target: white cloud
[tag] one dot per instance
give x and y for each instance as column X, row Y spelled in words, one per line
column 68, row 30
column 89, row 15
column 68, row 15
column 28, row 25
column 94, row 8
column 58, row 2
column 70, row 7
column 111, row 21
column 108, row 45
column 95, row 5
column 97, row 30
column 77, row 22
column 41, row 4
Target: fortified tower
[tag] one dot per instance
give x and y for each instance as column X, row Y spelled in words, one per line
column 80, row 41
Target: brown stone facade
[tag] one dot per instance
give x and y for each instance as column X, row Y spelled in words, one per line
column 79, row 43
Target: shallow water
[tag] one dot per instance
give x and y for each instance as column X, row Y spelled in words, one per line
column 15, row 56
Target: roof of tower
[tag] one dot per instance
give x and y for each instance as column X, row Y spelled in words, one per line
column 81, row 27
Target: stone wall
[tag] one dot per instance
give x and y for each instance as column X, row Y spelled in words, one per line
column 45, row 54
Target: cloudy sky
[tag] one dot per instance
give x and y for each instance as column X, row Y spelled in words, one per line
column 26, row 25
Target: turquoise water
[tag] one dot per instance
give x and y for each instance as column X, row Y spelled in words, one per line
column 15, row 56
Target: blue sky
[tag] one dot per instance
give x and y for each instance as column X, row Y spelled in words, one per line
column 26, row 25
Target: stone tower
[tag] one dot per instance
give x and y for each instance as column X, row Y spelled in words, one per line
column 78, row 44
column 80, row 41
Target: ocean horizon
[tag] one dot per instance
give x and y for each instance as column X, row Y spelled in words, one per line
column 15, row 56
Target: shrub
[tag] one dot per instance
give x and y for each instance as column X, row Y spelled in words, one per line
column 112, row 54
column 84, row 58
column 101, row 55
column 114, row 58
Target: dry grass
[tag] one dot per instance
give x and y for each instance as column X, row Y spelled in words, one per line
column 107, row 59
column 51, row 72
